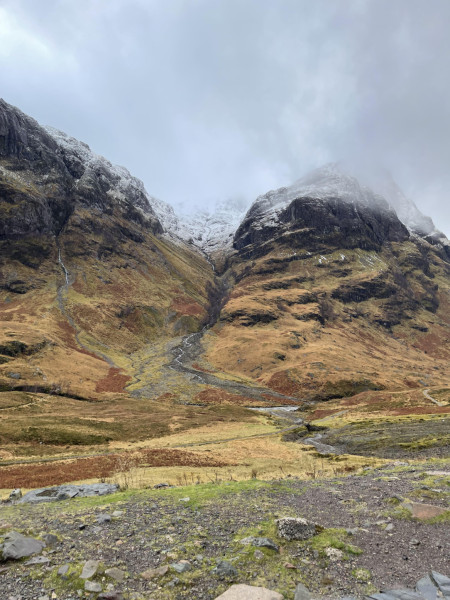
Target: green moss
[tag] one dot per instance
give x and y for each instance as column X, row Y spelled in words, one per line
column 333, row 538
column 362, row 575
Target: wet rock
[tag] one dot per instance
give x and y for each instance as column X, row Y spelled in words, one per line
column 295, row 529
column 224, row 569
column 249, row 592
column 64, row 492
column 260, row 542
column 18, row 546
column 89, row 569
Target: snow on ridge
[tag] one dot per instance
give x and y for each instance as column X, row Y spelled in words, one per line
column 332, row 181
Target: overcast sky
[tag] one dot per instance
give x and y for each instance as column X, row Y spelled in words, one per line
column 208, row 100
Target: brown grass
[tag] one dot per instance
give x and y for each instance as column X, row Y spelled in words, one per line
column 113, row 382
column 100, row 467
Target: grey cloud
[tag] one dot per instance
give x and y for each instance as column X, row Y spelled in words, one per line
column 211, row 99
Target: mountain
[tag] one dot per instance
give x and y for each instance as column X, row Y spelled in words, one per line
column 87, row 271
column 333, row 294
column 325, row 288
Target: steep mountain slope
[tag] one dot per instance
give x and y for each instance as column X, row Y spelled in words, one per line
column 87, row 273
column 333, row 294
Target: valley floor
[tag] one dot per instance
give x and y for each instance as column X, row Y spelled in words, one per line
column 369, row 539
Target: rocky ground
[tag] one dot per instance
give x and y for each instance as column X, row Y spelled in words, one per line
column 186, row 542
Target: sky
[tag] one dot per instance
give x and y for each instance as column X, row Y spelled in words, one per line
column 218, row 100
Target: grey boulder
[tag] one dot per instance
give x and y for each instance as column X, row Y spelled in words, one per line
column 64, row 492
column 18, row 546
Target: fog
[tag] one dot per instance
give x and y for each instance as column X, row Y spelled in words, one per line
column 209, row 100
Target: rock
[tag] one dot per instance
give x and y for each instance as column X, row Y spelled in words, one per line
column 37, row 560
column 14, row 375
column 160, row 486
column 110, row 596
column 15, row 495
column 295, row 529
column 154, row 573
column 63, row 570
column 225, row 569
column 302, row 593
column 423, row 511
column 18, row 546
column 443, row 583
column 389, row 527
column 427, row 588
column 50, row 539
column 92, row 586
column 249, row 592
column 334, row 553
column 89, row 569
column 260, row 542
column 117, row 513
column 103, row 518
column 186, row 499
column 181, row 566
column 116, row 574
column 64, row 492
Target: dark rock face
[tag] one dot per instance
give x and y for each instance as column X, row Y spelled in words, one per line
column 47, row 177
column 318, row 224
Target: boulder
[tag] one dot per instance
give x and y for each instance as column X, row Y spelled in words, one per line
column 15, row 495
column 18, row 546
column 290, row 528
column 249, row 592
column 64, row 492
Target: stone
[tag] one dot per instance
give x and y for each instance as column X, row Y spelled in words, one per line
column 50, row 539
column 103, row 518
column 427, row 588
column 15, row 495
column 186, row 499
column 154, row 573
column 334, row 553
column 14, row 375
column 37, row 560
column 18, row 546
column 89, row 569
column 64, row 492
column 112, row 595
column 249, row 592
column 302, row 592
column 295, row 529
column 63, row 570
column 260, row 542
column 422, row 511
column 443, row 583
column 224, row 569
column 181, row 566
column 117, row 513
column 116, row 574
column 160, row 486
column 92, row 586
